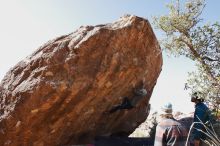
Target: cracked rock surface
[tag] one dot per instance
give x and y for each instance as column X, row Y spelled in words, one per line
column 59, row 94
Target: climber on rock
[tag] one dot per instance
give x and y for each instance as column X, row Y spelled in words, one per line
column 130, row 103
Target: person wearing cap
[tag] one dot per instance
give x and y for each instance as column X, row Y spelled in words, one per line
column 200, row 115
column 169, row 132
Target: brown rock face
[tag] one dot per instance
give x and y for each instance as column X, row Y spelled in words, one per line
column 60, row 94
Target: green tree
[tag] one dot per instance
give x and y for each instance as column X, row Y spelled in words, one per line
column 186, row 34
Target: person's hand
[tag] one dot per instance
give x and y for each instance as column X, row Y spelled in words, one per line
column 196, row 142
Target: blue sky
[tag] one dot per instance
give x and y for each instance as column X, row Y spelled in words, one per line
column 27, row 24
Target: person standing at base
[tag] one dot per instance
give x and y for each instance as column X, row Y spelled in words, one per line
column 201, row 115
column 169, row 132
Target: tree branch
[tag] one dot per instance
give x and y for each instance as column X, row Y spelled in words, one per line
column 200, row 59
column 209, row 59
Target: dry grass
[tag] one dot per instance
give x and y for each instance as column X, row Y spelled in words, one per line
column 212, row 138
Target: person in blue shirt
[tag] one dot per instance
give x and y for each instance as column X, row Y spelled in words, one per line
column 200, row 115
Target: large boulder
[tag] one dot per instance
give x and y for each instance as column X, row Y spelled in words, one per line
column 59, row 95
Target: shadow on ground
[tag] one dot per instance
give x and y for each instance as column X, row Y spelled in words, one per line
column 120, row 141
column 125, row 141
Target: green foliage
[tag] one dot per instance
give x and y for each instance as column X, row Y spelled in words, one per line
column 154, row 123
column 185, row 34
